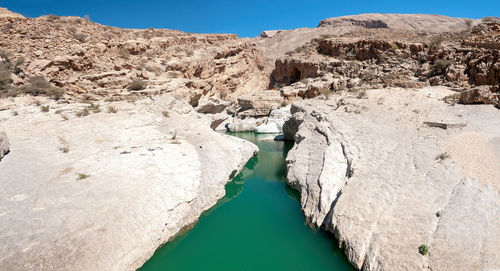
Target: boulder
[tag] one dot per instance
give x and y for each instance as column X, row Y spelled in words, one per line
column 479, row 95
column 211, row 108
column 244, row 125
column 275, row 122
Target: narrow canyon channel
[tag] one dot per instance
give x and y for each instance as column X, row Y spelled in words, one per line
column 258, row 225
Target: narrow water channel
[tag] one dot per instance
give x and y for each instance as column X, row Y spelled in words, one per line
column 258, row 225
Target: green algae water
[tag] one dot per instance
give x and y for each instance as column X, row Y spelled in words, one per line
column 258, row 225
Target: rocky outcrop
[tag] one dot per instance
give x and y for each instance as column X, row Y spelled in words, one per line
column 89, row 60
column 5, row 13
column 399, row 26
column 485, row 36
column 4, row 145
column 330, row 64
column 259, row 103
column 371, row 172
column 407, row 22
column 479, row 95
column 244, row 125
column 275, row 121
column 269, row 33
column 106, row 185
column 288, row 71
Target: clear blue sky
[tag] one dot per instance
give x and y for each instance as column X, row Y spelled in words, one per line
column 245, row 18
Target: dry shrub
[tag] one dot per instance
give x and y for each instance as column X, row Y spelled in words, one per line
column 440, row 65
column 6, row 88
column 80, row 37
column 5, row 78
column 77, row 21
column 435, row 44
column 124, row 53
column 72, row 30
column 7, row 26
column 112, row 109
column 53, row 18
column 136, row 84
column 39, row 86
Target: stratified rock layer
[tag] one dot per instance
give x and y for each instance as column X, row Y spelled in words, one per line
column 384, row 183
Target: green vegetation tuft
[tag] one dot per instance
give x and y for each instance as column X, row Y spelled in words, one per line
column 440, row 66
column 443, row 156
column 81, row 176
column 44, row 108
column 423, row 249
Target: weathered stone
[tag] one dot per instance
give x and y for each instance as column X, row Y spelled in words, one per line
column 274, row 124
column 259, row 103
column 211, row 108
column 481, row 94
column 376, row 179
column 269, row 33
column 244, row 125
column 88, row 180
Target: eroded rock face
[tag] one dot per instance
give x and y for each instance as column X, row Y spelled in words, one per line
column 388, row 58
column 102, row 191
column 371, row 172
column 92, row 60
column 275, row 121
column 4, row 144
column 479, row 95
column 408, row 22
column 259, row 103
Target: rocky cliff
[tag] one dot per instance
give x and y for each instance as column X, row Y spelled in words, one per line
column 386, row 58
column 92, row 61
column 109, row 147
column 101, row 186
column 397, row 169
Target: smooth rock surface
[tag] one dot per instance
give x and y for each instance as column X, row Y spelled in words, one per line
column 244, row 125
column 371, row 172
column 103, row 191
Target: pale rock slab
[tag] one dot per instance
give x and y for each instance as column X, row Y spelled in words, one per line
column 369, row 171
column 274, row 124
column 126, row 183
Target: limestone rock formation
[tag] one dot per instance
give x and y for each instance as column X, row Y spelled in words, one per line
column 5, row 13
column 479, row 95
column 103, row 186
column 124, row 154
column 275, row 122
column 407, row 22
column 371, row 172
column 285, row 41
column 391, row 59
column 244, row 125
column 89, row 60
column 259, row 103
